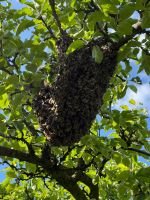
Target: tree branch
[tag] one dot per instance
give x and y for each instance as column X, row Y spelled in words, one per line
column 52, row 4
column 69, row 184
column 63, row 179
column 6, row 70
column 12, row 153
column 29, row 146
column 94, row 193
column 48, row 27
column 138, row 151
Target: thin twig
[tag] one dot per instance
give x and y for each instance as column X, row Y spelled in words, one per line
column 6, row 71
column 20, row 170
column 52, row 4
column 122, row 79
column 31, row 150
column 48, row 27
column 138, row 151
column 105, row 160
column 146, row 51
column 44, row 180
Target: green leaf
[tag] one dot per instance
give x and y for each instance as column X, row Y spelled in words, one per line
column 122, row 91
column 126, row 161
column 126, row 11
column 86, row 157
column 4, row 102
column 31, row 167
column 125, row 27
column 24, row 25
column 144, row 172
column 11, row 174
column 97, row 54
column 124, row 107
column 145, row 20
column 122, row 189
column 133, row 88
column 25, row 11
column 146, row 62
column 108, row 7
column 22, row 1
column 125, row 51
column 72, row 4
column 96, row 16
column 117, row 157
column 132, row 101
column 137, row 80
column 77, row 44
column 147, row 146
column 124, row 175
column 114, row 134
column 3, row 63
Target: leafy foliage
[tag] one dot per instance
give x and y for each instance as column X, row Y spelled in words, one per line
column 100, row 165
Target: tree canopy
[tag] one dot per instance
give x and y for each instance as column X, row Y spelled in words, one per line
column 63, row 66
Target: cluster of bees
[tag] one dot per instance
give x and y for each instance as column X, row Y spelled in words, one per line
column 67, row 108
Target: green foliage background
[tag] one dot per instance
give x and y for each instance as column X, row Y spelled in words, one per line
column 111, row 162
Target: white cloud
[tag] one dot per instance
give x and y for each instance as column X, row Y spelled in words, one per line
column 141, row 97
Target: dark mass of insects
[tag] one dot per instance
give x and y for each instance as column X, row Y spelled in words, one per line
column 67, row 107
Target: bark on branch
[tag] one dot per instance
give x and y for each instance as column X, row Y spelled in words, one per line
column 62, row 176
column 12, row 153
column 52, row 4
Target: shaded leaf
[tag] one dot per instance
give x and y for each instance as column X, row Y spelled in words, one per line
column 133, row 88
column 97, row 54
column 146, row 62
column 126, row 11
column 145, row 20
column 125, row 27
column 24, row 25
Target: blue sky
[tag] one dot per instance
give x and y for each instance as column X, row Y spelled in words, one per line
column 143, row 91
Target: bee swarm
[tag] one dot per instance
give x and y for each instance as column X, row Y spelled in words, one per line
column 67, row 108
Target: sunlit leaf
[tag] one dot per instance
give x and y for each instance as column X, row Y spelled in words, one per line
column 4, row 101
column 132, row 101
column 77, row 44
